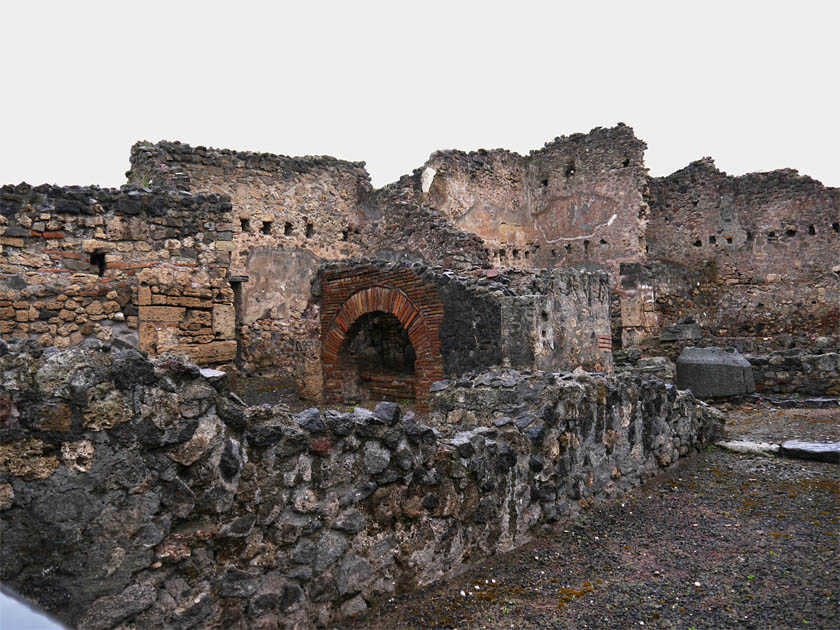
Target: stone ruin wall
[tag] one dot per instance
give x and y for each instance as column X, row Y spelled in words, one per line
column 559, row 318
column 463, row 211
column 289, row 216
column 142, row 268
column 797, row 372
column 577, row 201
column 139, row 493
column 551, row 320
column 755, row 259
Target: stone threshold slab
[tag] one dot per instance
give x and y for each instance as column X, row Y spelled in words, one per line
column 818, row 451
column 795, row 449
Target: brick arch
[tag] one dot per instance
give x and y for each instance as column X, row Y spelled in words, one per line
column 428, row 366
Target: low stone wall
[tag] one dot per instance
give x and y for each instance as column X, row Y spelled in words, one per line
column 140, row 492
column 793, row 371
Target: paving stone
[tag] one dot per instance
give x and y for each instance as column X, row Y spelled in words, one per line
column 818, row 451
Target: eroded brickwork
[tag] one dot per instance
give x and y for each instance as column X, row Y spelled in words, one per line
column 349, row 293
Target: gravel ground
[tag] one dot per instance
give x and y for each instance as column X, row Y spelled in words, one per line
column 763, row 422
column 720, row 541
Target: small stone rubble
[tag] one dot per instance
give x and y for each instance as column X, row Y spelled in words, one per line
column 137, row 491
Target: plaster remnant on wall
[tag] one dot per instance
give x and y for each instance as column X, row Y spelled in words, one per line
column 426, row 179
column 77, row 456
column 581, row 237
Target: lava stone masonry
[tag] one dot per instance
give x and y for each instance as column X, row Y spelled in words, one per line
column 140, row 493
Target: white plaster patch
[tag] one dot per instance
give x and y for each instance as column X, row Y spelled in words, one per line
column 77, row 455
column 426, row 178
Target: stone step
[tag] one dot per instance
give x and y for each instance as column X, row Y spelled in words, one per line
column 821, row 402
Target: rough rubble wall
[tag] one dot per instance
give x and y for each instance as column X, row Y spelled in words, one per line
column 569, row 319
column 769, row 244
column 137, row 493
column 656, row 293
column 144, row 267
column 401, row 229
column 289, row 215
column 797, row 372
column 579, row 200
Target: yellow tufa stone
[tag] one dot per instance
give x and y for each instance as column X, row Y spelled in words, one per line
column 7, row 496
column 106, row 408
column 26, row 459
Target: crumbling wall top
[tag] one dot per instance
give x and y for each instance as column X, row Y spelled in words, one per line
column 163, row 164
column 602, row 149
column 93, row 200
column 758, row 185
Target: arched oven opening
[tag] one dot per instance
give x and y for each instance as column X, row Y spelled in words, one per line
column 376, row 360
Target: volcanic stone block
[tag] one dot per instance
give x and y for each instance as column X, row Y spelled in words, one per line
column 680, row 332
column 714, row 372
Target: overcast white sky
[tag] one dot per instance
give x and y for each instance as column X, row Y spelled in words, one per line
column 752, row 84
